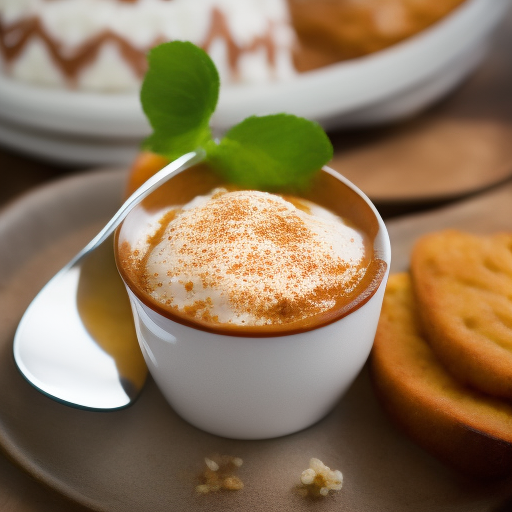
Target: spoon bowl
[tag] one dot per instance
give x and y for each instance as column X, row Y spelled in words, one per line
column 76, row 342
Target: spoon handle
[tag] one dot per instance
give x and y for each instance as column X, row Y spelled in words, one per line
column 180, row 164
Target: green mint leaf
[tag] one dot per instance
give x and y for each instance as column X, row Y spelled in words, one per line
column 179, row 95
column 271, row 152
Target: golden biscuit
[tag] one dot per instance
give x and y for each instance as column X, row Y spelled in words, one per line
column 463, row 284
column 468, row 430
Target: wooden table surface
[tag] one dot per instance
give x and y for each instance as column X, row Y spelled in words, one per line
column 363, row 152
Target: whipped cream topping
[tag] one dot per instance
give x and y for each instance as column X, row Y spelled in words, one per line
column 252, row 258
column 47, row 41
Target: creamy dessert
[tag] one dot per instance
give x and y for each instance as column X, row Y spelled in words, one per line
column 239, row 295
column 101, row 45
column 230, row 260
column 245, row 257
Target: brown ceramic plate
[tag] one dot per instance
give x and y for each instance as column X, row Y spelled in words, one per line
column 145, row 458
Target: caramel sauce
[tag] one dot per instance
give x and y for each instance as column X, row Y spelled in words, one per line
column 220, row 29
column 325, row 190
column 14, row 39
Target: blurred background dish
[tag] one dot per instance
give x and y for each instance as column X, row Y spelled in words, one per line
column 455, row 148
column 88, row 112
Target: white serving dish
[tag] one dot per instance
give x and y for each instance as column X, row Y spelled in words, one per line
column 78, row 128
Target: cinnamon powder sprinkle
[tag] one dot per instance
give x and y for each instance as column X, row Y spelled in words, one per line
column 251, row 258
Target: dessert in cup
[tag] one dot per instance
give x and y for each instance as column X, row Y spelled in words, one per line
column 256, row 277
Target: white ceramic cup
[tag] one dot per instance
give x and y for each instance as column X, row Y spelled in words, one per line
column 257, row 387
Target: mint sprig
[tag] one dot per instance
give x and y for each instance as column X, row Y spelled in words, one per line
column 180, row 94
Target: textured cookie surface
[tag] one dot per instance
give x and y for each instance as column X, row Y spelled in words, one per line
column 464, row 428
column 463, row 284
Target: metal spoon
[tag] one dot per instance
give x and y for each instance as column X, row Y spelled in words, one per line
column 75, row 342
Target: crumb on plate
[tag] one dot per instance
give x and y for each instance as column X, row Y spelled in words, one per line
column 219, row 475
column 319, row 479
